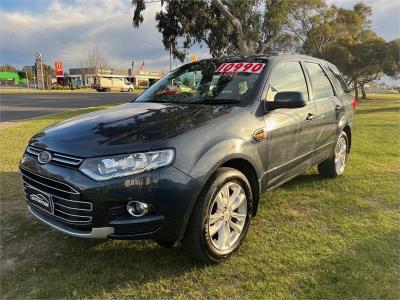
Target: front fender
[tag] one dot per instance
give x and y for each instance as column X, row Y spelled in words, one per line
column 222, row 152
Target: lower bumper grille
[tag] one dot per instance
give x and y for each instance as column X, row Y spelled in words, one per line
column 65, row 202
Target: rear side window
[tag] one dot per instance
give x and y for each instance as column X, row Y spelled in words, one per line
column 287, row 77
column 320, row 83
column 339, row 79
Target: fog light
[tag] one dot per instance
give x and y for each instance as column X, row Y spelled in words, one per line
column 137, row 209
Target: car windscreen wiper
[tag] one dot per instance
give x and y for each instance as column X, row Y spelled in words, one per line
column 217, row 101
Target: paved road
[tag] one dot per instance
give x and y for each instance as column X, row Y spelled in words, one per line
column 15, row 107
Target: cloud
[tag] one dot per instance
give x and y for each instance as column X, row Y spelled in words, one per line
column 68, row 31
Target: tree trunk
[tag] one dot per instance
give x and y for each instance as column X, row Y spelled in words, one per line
column 363, row 93
column 356, row 89
column 244, row 48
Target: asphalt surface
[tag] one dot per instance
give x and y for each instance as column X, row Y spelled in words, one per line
column 16, row 107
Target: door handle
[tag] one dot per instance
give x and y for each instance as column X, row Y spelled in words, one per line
column 310, row 117
column 338, row 107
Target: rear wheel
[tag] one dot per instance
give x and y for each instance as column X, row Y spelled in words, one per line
column 220, row 218
column 335, row 165
column 130, row 90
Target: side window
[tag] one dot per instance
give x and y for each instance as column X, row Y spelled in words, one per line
column 287, row 77
column 339, row 78
column 320, row 83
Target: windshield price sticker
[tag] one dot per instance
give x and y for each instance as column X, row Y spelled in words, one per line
column 240, row 67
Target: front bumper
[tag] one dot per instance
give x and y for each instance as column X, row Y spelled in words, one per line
column 169, row 192
column 94, row 233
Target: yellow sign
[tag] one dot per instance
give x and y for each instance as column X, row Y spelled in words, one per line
column 194, row 58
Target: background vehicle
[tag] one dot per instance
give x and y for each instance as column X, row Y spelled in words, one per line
column 107, row 84
column 191, row 166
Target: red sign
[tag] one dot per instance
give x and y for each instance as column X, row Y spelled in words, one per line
column 59, row 69
column 240, row 67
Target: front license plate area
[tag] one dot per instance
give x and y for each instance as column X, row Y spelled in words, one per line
column 39, row 199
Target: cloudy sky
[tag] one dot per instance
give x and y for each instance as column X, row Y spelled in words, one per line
column 68, row 30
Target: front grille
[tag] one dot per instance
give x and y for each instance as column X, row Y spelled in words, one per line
column 57, row 158
column 68, row 205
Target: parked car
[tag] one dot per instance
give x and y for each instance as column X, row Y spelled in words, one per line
column 108, row 84
column 192, row 166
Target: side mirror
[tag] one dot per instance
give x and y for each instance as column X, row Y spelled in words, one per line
column 287, row 100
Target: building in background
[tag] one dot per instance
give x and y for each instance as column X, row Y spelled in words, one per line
column 11, row 78
column 86, row 77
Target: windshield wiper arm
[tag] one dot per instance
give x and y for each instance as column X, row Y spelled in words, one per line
column 218, row 101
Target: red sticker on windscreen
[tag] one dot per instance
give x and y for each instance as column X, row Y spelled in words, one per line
column 240, row 67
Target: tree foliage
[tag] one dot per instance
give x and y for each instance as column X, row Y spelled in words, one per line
column 7, row 68
column 342, row 36
column 95, row 61
column 219, row 24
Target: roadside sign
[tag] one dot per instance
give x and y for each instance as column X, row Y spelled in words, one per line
column 59, row 70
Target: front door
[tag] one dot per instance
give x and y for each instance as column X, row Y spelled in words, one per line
column 290, row 131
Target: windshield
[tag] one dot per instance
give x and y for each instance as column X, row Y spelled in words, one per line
column 209, row 82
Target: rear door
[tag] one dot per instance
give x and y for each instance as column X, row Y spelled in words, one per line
column 329, row 109
column 290, row 131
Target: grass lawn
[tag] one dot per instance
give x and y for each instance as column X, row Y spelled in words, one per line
column 313, row 238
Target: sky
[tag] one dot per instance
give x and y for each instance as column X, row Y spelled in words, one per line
column 67, row 30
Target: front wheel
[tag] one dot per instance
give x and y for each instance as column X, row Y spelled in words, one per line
column 220, row 218
column 335, row 165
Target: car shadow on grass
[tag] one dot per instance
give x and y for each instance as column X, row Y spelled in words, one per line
column 43, row 263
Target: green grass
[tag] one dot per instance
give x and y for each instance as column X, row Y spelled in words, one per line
column 313, row 238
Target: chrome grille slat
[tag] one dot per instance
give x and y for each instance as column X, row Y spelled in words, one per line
column 71, row 221
column 79, row 213
column 76, row 201
column 56, row 157
column 32, row 150
column 51, row 187
column 72, row 215
column 64, row 161
column 69, row 207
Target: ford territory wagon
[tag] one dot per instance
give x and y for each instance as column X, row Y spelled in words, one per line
column 189, row 159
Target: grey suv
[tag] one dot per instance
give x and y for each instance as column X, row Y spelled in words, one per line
column 189, row 158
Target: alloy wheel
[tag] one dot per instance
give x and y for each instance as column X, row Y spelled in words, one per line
column 340, row 155
column 227, row 217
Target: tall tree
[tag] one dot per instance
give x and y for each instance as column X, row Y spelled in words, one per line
column 344, row 37
column 219, row 24
column 95, row 61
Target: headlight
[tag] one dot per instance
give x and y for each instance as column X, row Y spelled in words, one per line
column 103, row 168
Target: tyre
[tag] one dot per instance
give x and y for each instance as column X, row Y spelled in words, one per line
column 335, row 165
column 165, row 244
column 220, row 218
column 130, row 90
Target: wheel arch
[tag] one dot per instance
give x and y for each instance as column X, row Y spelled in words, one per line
column 249, row 171
column 347, row 130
